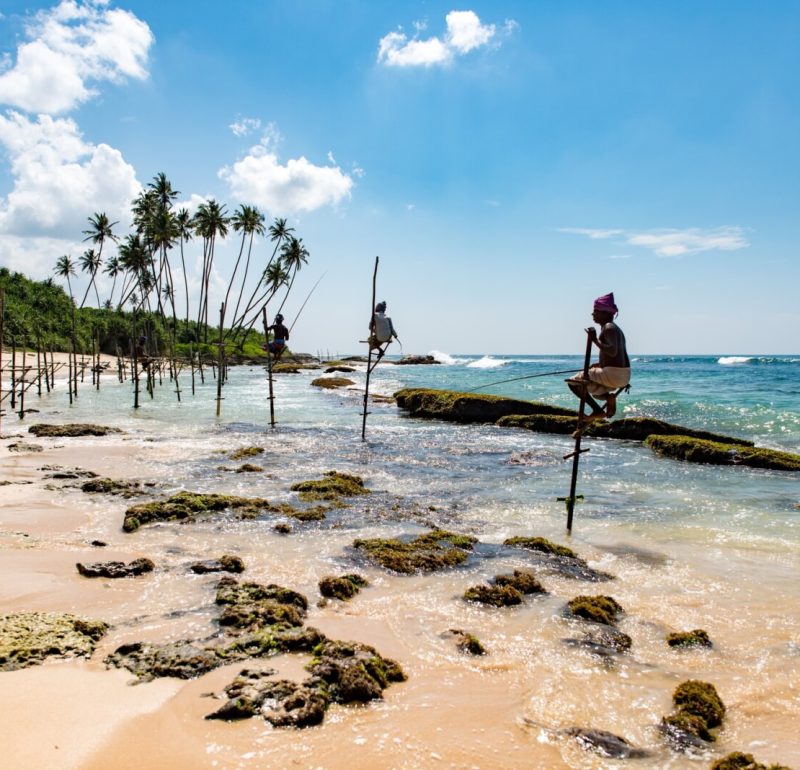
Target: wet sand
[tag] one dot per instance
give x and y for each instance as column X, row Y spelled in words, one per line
column 504, row 710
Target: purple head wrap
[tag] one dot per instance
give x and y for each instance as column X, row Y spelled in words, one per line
column 606, row 304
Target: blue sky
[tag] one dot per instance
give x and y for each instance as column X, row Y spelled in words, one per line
column 508, row 161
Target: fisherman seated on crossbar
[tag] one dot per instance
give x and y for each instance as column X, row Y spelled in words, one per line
column 381, row 330
column 280, row 336
column 612, row 372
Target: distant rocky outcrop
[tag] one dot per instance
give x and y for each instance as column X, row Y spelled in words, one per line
column 416, row 361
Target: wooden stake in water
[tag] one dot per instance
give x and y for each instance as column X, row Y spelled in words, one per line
column 369, row 356
column 576, row 454
column 2, row 331
column 221, row 355
column 269, row 371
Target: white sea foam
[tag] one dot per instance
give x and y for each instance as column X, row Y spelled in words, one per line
column 487, row 362
column 446, row 358
column 730, row 360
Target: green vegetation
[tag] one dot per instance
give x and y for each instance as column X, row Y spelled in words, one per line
column 332, row 486
column 739, row 761
column 28, row 638
column 432, row 551
column 343, row 587
column 523, row 580
column 494, row 595
column 698, row 709
column 468, row 643
column 702, row 451
column 542, row 545
column 598, row 609
column 696, row 638
column 540, row 423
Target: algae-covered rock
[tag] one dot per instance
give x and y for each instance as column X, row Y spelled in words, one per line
column 686, row 731
column 330, row 383
column 338, row 368
column 700, row 699
column 540, row 423
column 116, row 569
column 603, row 642
column 343, row 587
column 467, row 643
column 282, row 528
column 353, row 672
column 246, row 451
column 598, row 609
column 331, row 486
column 292, row 367
column 416, row 360
column 558, row 559
column 696, row 638
column 112, row 487
column 68, row 431
column 248, row 468
column 186, row 506
column 739, row 761
column 494, row 595
column 523, row 580
column 468, row 407
column 639, row 428
column 429, row 552
column 282, row 703
column 225, row 563
column 714, row 453
column 249, row 606
column 24, row 446
column 28, row 638
column 183, row 659
column 607, row 744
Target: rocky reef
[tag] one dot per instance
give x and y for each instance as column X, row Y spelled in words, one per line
column 698, row 709
column 113, row 487
column 330, row 383
column 429, row 552
column 28, row 638
column 558, row 559
column 332, row 486
column 342, row 587
column 71, row 431
column 597, row 609
column 715, row 453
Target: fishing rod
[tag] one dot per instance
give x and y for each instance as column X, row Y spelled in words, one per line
column 306, row 300
column 526, row 377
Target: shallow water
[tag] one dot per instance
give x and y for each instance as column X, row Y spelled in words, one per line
column 691, row 546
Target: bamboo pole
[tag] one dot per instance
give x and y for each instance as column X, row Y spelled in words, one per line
column 369, row 356
column 221, row 355
column 13, row 372
column 38, row 364
column 269, row 371
column 22, row 381
column 576, row 454
column 135, row 365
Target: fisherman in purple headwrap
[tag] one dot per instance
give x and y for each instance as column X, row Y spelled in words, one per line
column 613, row 371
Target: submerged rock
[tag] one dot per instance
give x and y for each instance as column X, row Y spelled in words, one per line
column 113, row 487
column 353, row 672
column 714, row 453
column 331, row 383
column 559, row 559
column 523, row 580
column 605, row 642
column 639, row 428
column 342, row 587
column 739, row 761
column 696, row 638
column 344, row 369
column 698, row 709
column 597, row 609
column 28, row 638
column 432, row 551
column 116, row 569
column 250, row 606
column 246, row 451
column 280, row 702
column 248, row 468
column 225, row 563
column 186, row 506
column 467, row 643
column 331, row 486
column 607, row 744
column 25, row 446
column 67, row 431
column 494, row 595
column 468, row 407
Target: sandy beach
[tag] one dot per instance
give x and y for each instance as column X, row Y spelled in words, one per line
column 507, row 709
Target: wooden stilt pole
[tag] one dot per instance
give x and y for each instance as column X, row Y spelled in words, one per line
column 2, row 331
column 39, row 364
column 13, row 372
column 221, row 356
column 269, row 371
column 576, row 454
column 135, row 365
column 369, row 356
column 22, row 381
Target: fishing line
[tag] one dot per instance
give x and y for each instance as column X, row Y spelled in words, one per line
column 526, row 377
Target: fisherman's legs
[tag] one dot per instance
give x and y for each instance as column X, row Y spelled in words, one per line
column 586, row 390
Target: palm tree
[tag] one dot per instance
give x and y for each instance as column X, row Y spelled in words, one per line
column 113, row 268
column 65, row 267
column 183, row 220
column 293, row 255
column 250, row 222
column 90, row 263
column 162, row 188
column 209, row 222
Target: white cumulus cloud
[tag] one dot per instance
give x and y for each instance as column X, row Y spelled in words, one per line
column 299, row 185
column 464, row 33
column 69, row 47
column 60, row 179
column 669, row 242
column 245, row 126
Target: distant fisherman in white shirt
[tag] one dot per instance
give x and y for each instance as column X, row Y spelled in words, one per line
column 381, row 330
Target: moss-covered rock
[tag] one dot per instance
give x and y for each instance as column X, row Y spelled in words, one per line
column 246, row 451
column 696, row 638
column 182, row 659
column 597, row 609
column 686, row 731
column 250, row 606
column 187, row 506
column 739, row 761
column 332, row 486
column 248, row 468
column 468, row 407
column 540, row 423
column 340, row 368
column 116, row 569
column 226, row 563
column 113, row 487
column 69, row 431
column 282, row 528
column 558, row 559
column 28, row 638
column 714, row 453
column 342, row 587
column 523, row 580
column 282, row 703
column 292, row 367
column 331, row 383
column 604, row 642
column 467, row 643
column 494, row 595
column 429, row 552
column 353, row 672
column 700, row 699
column 639, row 428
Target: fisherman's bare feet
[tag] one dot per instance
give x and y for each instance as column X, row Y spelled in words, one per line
column 611, row 405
